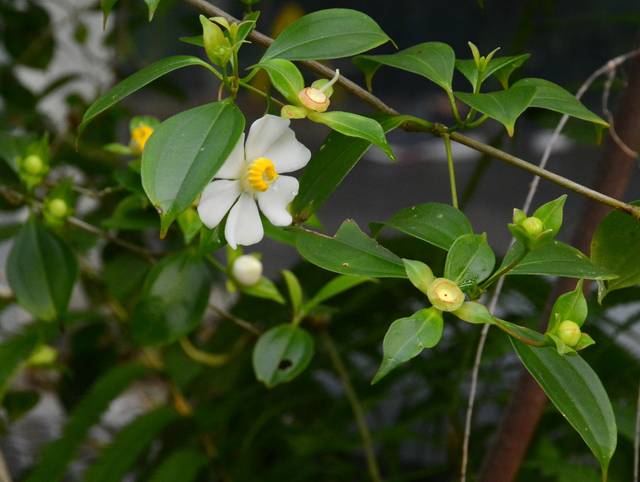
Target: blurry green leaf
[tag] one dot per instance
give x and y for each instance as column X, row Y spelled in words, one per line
column 505, row 106
column 569, row 306
column 266, row 289
column 53, row 460
column 196, row 40
column 247, row 25
column 470, row 258
column 132, row 213
column 281, row 354
column 616, row 247
column 350, row 251
column 578, row 394
column 285, row 77
column 185, row 152
column 124, row 275
column 435, row 223
column 182, row 465
column 174, row 298
column 433, row 60
column 327, row 34
column 354, row 125
column 190, row 224
column 137, row 81
column 295, row 290
column 41, row 270
column 336, row 286
column 152, row 5
column 18, row 403
column 329, row 165
column 128, row 445
column 14, row 351
column 407, row 337
column 106, row 6
column 553, row 97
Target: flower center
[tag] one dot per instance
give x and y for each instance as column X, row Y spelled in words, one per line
column 445, row 295
column 261, row 174
column 140, row 135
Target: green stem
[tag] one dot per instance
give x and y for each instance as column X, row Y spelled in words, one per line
column 503, row 271
column 452, row 172
column 209, row 359
column 480, row 120
column 454, row 107
column 356, row 406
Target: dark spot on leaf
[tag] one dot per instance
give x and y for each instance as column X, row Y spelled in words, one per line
column 285, row 364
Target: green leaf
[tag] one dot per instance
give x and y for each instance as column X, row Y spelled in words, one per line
column 173, row 300
column 569, row 306
column 327, row 34
column 106, row 6
column 354, row 125
column 419, row 274
column 281, row 354
column 329, row 165
column 185, row 152
column 521, row 333
column 433, row 60
column 14, row 352
column 128, row 445
column 578, row 394
column 407, row 337
column 133, row 213
column 190, row 224
column 41, row 270
column 470, row 258
column 551, row 214
column 351, row 252
column 136, row 82
column 435, row 223
column 474, row 312
column 505, row 106
column 152, row 5
column 500, row 67
column 336, row 286
column 55, row 457
column 183, row 465
column 285, row 77
column 616, row 247
column 264, row 289
column 295, row 290
column 551, row 96
column 555, row 259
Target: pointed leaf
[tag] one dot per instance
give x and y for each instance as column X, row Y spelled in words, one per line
column 285, row 77
column 265, row 289
column 569, row 306
column 469, row 259
column 152, row 5
column 500, row 67
column 295, row 290
column 336, row 286
column 551, row 214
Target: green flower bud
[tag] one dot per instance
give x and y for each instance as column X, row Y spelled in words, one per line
column 58, row 208
column 43, row 355
column 533, row 226
column 33, row 165
column 445, row 295
column 569, row 332
column 216, row 45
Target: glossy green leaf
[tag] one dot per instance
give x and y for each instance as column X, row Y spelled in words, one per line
column 500, row 67
column 135, row 82
column 173, row 301
column 52, row 463
column 578, row 394
column 336, row 286
column 551, row 96
column 521, row 333
column 281, row 354
column 407, row 337
column 295, row 290
column 14, row 351
column 470, row 258
column 350, row 252
column 265, row 289
column 183, row 465
column 569, row 306
column 555, row 259
column 433, row 60
column 474, row 312
column 354, row 125
column 435, row 223
column 285, row 77
column 152, row 6
column 41, row 270
column 419, row 274
column 185, row 152
column 551, row 214
column 505, row 106
column 616, row 247
column 329, row 165
column 327, row 34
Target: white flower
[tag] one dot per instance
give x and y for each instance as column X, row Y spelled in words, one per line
column 250, row 177
column 247, row 270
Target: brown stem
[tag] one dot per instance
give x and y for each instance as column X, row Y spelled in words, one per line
column 528, row 401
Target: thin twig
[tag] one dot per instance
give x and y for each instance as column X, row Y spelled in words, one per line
column 209, row 359
column 356, row 406
column 611, row 75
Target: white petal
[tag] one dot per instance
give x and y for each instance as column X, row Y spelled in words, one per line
column 274, row 201
column 217, row 198
column 234, row 164
column 287, row 153
column 244, row 225
column 263, row 133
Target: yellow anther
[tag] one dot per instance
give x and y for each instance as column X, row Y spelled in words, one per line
column 261, row 174
column 139, row 137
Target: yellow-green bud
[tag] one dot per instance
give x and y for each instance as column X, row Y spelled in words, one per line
column 58, row 208
column 216, row 45
column 33, row 165
column 533, row 226
column 569, row 332
column 43, row 355
column 247, row 270
column 445, row 295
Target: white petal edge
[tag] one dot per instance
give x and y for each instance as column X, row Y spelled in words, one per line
column 234, row 164
column 275, row 200
column 216, row 200
column 263, row 133
column 287, row 153
column 244, row 226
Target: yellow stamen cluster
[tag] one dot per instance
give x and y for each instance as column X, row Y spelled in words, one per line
column 261, row 174
column 139, row 137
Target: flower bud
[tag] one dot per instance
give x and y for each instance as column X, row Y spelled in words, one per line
column 314, row 99
column 58, row 208
column 533, row 226
column 569, row 332
column 216, row 45
column 247, row 270
column 445, row 295
column 43, row 355
column 33, row 165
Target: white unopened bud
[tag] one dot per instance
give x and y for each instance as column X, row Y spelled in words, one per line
column 247, row 270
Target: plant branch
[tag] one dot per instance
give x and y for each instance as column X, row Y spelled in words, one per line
column 354, row 89
column 452, row 173
column 356, row 406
